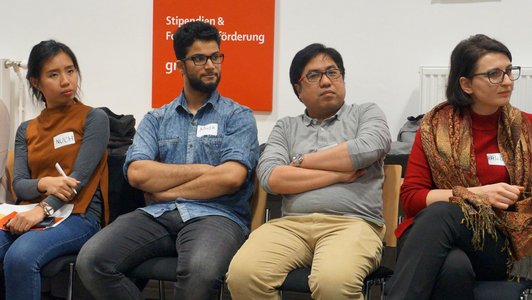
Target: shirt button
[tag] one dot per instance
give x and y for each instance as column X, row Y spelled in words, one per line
column 194, row 123
column 190, row 145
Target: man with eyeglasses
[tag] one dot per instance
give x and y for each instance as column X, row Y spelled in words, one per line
column 194, row 158
column 328, row 166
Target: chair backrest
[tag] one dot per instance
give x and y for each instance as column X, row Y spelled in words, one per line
column 258, row 205
column 390, row 202
column 123, row 198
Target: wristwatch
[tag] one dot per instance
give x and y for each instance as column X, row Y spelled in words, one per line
column 297, row 160
column 48, row 209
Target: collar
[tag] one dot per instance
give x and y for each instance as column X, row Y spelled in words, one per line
column 212, row 101
column 312, row 121
column 485, row 121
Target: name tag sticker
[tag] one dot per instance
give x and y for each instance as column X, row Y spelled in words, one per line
column 209, row 129
column 495, row 159
column 64, row 139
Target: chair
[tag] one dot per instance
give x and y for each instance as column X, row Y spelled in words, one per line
column 297, row 280
column 163, row 268
column 55, row 267
column 491, row 290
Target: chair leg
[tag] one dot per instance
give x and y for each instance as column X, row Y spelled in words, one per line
column 70, row 290
column 267, row 215
column 383, row 296
column 161, row 290
column 524, row 295
column 221, row 295
column 367, row 289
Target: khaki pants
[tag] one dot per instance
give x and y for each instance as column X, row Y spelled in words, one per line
column 342, row 251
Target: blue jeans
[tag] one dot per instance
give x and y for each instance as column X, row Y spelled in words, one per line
column 24, row 255
column 204, row 246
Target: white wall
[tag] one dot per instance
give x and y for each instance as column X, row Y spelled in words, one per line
column 383, row 44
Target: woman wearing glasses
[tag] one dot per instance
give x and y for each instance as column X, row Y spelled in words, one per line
column 461, row 170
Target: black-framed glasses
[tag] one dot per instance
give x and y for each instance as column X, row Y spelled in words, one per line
column 315, row 76
column 201, row 60
column 496, row 76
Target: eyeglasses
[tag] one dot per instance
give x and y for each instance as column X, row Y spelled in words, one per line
column 201, row 60
column 315, row 76
column 496, row 76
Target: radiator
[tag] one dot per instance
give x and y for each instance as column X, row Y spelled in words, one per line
column 14, row 93
column 433, row 81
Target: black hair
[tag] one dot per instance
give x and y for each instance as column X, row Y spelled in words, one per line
column 39, row 55
column 302, row 58
column 464, row 60
column 185, row 36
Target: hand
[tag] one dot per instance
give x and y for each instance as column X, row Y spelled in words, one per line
column 59, row 186
column 23, row 221
column 352, row 176
column 500, row 195
column 158, row 197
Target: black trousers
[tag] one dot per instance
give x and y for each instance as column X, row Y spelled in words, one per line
column 436, row 258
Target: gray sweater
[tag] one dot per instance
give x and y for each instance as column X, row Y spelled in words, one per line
column 366, row 132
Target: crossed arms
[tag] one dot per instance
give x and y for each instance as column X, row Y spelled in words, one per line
column 342, row 163
column 172, row 178
column 164, row 182
column 313, row 173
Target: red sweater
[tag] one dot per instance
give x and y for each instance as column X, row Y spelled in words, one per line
column 418, row 178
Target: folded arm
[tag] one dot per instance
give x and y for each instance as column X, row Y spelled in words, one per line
column 336, row 158
column 371, row 143
column 217, row 181
column 294, row 180
column 152, row 176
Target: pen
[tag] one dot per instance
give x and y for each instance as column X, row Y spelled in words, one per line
column 60, row 170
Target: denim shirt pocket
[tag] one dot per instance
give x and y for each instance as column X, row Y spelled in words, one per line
column 169, row 150
column 211, row 147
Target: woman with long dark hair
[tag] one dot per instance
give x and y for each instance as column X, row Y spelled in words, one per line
column 73, row 135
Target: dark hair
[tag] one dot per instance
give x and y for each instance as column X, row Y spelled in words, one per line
column 464, row 60
column 185, row 36
column 302, row 58
column 39, row 55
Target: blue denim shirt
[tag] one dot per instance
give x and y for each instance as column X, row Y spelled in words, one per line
column 221, row 131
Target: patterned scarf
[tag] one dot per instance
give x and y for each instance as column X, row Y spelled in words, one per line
column 446, row 135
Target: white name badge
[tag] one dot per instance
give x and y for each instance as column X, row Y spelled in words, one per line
column 209, row 129
column 64, row 139
column 495, row 159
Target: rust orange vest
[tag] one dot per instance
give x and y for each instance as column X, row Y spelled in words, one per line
column 56, row 135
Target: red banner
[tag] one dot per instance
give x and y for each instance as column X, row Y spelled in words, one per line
column 246, row 29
